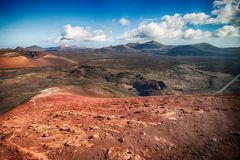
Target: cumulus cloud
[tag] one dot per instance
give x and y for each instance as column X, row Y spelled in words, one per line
column 56, row 40
column 171, row 27
column 178, row 26
column 228, row 31
column 196, row 34
column 82, row 34
column 124, row 21
column 226, row 11
column 173, row 22
column 198, row 18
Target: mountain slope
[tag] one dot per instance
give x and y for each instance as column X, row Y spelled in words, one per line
column 152, row 47
column 35, row 48
column 202, row 49
column 199, row 49
column 24, row 62
column 70, row 125
column 121, row 49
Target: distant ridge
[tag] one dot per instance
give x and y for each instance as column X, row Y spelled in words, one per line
column 35, row 48
column 151, row 47
column 198, row 49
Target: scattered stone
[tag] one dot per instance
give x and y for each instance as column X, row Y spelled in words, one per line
column 2, row 136
column 45, row 135
column 120, row 140
column 65, row 128
column 172, row 118
column 236, row 134
column 118, row 153
column 56, row 115
column 138, row 111
column 66, row 144
column 196, row 109
column 45, row 146
column 214, row 139
column 111, row 117
column 95, row 127
column 99, row 117
column 94, row 136
column 163, row 112
column 184, row 111
column 146, row 105
column 143, row 133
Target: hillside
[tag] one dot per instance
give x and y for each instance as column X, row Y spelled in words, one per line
column 71, row 126
column 35, row 48
column 152, row 47
column 24, row 62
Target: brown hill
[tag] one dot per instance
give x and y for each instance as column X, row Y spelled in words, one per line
column 62, row 125
column 23, row 62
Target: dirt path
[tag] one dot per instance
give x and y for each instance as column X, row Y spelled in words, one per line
column 227, row 85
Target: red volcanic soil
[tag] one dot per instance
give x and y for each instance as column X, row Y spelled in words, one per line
column 22, row 62
column 66, row 126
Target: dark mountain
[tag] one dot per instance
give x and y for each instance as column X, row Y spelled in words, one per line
column 71, row 49
column 202, row 49
column 35, row 48
column 20, row 49
column 151, row 45
column 132, row 45
column 60, row 47
column 6, row 50
column 199, row 49
column 123, row 48
column 116, row 49
column 204, row 46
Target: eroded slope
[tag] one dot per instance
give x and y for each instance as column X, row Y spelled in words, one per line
column 62, row 125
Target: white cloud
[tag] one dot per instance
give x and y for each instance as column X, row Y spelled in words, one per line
column 82, row 34
column 177, row 26
column 151, row 30
column 170, row 27
column 124, row 21
column 173, row 22
column 226, row 11
column 196, row 34
column 56, row 40
column 198, row 18
column 228, row 31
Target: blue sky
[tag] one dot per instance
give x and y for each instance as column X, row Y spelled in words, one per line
column 110, row 22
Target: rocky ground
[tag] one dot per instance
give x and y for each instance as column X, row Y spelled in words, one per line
column 52, row 107
column 58, row 124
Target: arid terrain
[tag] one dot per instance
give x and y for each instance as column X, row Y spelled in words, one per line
column 118, row 103
column 58, row 124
